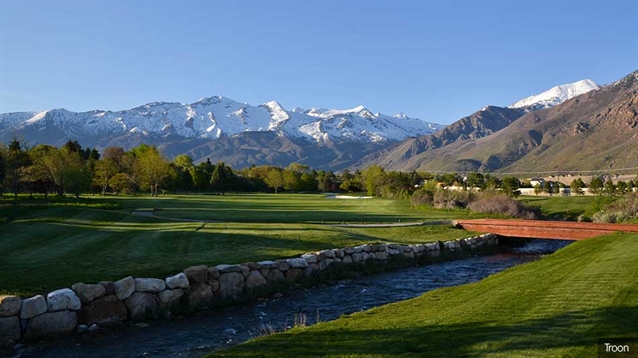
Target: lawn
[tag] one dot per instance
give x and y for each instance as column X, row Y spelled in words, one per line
column 558, row 306
column 50, row 247
column 559, row 207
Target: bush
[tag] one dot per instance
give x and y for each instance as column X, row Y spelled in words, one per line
column 619, row 210
column 421, row 197
column 491, row 203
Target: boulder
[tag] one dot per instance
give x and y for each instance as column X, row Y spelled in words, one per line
column 245, row 270
column 347, row 259
column 200, row 295
column 10, row 305
column 109, row 287
column 63, row 299
column 9, row 330
column 168, row 297
column 151, row 285
column 103, row 311
column 228, row 268
column 267, row 264
column 408, row 254
column 197, row 274
column 141, row 306
column 51, row 324
column 253, row 265
column 178, row 281
column 275, row 275
column 231, row 285
column 214, row 285
column 88, row 292
column 213, row 273
column 254, row 280
column 339, row 254
column 282, row 265
column 348, row 250
column 294, row 274
column 329, row 262
column 33, row 306
column 381, row 255
column 357, row 257
column 124, row 288
column 310, row 258
column 298, row 263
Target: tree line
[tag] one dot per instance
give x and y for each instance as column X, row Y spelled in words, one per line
column 72, row 169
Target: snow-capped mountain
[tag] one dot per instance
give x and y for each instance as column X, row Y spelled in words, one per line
column 556, row 95
column 215, row 117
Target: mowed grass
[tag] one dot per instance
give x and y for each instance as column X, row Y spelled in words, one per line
column 54, row 247
column 556, row 307
column 287, row 208
column 560, row 206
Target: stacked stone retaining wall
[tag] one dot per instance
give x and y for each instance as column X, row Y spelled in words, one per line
column 85, row 307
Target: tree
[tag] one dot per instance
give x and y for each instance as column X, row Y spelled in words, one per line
column 63, row 167
column 576, row 187
column 274, row 178
column 622, row 187
column 17, row 160
column 104, row 170
column 221, row 178
column 609, row 188
column 510, row 186
column 476, row 180
column 538, row 189
column 291, row 180
column 596, row 186
column 153, row 169
column 374, row 178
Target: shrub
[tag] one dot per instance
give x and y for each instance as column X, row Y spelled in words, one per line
column 421, row 197
column 618, row 210
column 491, row 203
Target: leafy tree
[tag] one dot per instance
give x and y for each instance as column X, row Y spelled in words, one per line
column 622, row 187
column 374, row 179
column 609, row 188
column 153, row 169
column 120, row 183
column 274, row 178
column 510, row 186
column 596, row 186
column 17, row 160
column 576, row 187
column 104, row 170
column 291, row 180
column 221, row 178
column 476, row 180
column 538, row 189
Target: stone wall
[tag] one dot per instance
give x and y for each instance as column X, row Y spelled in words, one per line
column 85, row 307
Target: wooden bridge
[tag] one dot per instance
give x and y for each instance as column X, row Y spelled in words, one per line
column 537, row 229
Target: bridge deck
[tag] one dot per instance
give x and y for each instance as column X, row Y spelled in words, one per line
column 539, row 229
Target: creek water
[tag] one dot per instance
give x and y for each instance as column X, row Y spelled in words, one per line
column 206, row 332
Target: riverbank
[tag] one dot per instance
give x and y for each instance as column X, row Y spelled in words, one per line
column 558, row 306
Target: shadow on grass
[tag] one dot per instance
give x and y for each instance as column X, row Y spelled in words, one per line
column 572, row 334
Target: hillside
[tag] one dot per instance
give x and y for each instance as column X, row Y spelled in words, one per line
column 595, row 131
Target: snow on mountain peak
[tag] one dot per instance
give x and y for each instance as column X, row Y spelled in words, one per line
column 557, row 95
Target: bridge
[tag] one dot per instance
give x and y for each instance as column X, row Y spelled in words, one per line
column 538, row 229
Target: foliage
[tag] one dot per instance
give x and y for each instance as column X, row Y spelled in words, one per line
column 494, row 203
column 622, row 209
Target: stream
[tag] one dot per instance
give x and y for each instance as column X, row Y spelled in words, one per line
column 202, row 333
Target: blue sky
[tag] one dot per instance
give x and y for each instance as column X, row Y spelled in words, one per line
column 435, row 60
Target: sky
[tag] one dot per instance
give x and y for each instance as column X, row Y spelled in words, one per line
column 434, row 60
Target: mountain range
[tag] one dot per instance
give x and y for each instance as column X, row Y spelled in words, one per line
column 240, row 134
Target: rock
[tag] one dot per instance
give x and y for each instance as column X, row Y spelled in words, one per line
column 141, row 306
column 267, row 264
column 103, row 311
column 88, row 292
column 381, row 255
column 109, row 287
column 254, row 280
column 214, row 285
column 322, row 265
column 81, row 328
column 124, row 288
column 197, row 274
column 328, row 254
column 277, row 295
column 339, row 254
column 231, row 285
column 314, row 267
column 348, row 250
column 310, row 258
column 168, row 297
column 282, row 265
column 9, row 330
column 329, row 262
column 213, row 273
column 178, row 281
column 33, row 306
column 93, row 328
column 297, row 263
column 294, row 274
column 10, row 305
column 228, row 268
column 63, row 299
column 200, row 295
column 307, row 271
column 245, row 271
column 409, row 255
column 151, row 285
column 275, row 275
column 253, row 265
column 347, row 259
column 51, row 324
column 357, row 257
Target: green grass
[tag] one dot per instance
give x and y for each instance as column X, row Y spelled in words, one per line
column 287, row 208
column 556, row 307
column 50, row 247
column 560, row 207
